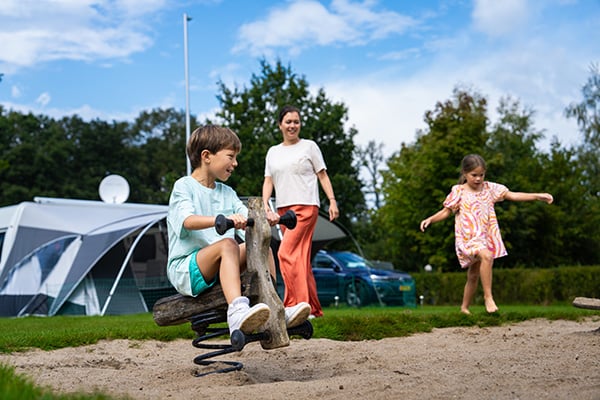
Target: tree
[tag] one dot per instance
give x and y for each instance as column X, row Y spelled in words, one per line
column 371, row 158
column 161, row 136
column 587, row 205
column 575, row 216
column 529, row 229
column 252, row 114
column 587, row 114
column 65, row 158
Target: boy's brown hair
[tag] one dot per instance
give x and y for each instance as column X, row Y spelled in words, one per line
column 213, row 138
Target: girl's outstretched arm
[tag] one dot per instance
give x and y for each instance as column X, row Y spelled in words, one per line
column 520, row 196
column 438, row 216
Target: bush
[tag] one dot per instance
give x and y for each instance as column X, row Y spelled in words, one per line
column 514, row 286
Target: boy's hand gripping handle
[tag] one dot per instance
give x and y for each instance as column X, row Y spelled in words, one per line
column 223, row 224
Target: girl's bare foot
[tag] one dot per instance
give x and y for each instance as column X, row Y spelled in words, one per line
column 465, row 311
column 490, row 305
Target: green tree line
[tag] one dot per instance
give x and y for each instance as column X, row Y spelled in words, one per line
column 68, row 157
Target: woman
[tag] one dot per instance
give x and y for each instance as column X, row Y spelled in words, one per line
column 292, row 168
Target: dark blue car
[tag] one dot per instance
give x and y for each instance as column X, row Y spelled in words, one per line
column 346, row 277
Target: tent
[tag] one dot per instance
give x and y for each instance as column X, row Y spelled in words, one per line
column 64, row 256
column 61, row 256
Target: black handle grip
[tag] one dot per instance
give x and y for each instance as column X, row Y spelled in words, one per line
column 288, row 219
column 223, row 224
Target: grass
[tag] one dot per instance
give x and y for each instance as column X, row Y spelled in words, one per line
column 49, row 333
column 347, row 324
column 344, row 323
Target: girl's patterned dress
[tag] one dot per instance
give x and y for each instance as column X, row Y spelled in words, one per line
column 475, row 223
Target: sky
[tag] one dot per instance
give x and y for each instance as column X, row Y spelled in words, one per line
column 388, row 61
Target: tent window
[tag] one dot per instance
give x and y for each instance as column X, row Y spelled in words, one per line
column 33, row 270
column 145, row 249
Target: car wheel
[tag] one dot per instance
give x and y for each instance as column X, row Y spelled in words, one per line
column 356, row 294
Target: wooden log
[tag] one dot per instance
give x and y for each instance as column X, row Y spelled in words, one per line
column 258, row 240
column 178, row 309
column 587, row 302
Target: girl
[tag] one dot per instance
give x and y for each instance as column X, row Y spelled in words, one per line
column 477, row 235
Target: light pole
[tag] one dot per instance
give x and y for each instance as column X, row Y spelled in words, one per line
column 187, row 91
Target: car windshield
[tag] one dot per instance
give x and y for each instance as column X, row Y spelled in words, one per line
column 353, row 261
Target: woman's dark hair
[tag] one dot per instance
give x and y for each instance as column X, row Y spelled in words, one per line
column 287, row 109
column 468, row 164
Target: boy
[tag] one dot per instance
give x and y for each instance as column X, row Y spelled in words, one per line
column 198, row 255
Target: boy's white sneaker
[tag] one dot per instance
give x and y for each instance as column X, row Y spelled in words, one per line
column 297, row 314
column 245, row 318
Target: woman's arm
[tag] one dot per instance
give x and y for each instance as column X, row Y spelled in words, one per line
column 267, row 191
column 328, row 189
column 520, row 196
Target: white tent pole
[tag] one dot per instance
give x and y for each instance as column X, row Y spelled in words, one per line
column 122, row 270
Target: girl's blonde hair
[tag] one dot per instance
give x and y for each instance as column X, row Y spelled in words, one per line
column 468, row 164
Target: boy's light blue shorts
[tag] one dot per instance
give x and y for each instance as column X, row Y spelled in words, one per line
column 197, row 282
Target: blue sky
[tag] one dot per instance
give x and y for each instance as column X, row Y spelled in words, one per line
column 388, row 61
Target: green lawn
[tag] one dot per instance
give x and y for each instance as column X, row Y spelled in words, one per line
column 47, row 333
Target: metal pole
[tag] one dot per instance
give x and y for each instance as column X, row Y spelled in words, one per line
column 187, row 90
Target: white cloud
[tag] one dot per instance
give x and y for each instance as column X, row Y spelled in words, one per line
column 540, row 73
column 228, row 74
column 84, row 112
column 43, row 99
column 15, row 92
column 135, row 8
column 301, row 23
column 374, row 25
column 32, row 31
column 405, row 54
column 389, row 111
column 392, row 111
column 306, row 23
column 498, row 18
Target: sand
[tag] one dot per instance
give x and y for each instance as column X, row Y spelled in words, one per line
column 536, row 359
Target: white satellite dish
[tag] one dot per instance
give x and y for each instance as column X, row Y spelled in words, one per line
column 114, row 189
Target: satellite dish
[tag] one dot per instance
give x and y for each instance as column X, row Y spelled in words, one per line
column 114, row 189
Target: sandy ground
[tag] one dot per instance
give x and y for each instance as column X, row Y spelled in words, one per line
column 536, row 359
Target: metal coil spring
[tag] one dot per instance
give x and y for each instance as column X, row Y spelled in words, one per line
column 200, row 325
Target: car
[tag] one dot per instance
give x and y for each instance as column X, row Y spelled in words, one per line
column 343, row 276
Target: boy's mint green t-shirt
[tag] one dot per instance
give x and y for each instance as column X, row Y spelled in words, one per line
column 189, row 197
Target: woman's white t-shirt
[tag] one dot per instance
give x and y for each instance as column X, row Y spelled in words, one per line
column 293, row 170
